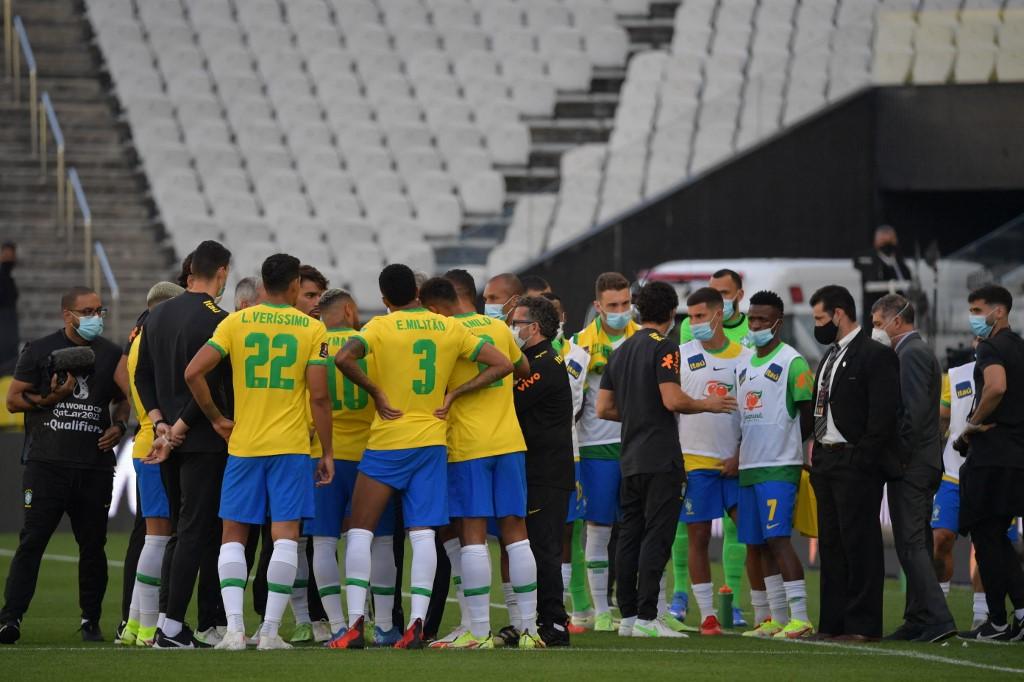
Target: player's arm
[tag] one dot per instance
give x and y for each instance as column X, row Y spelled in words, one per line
column 991, row 396
column 498, row 367
column 347, row 360
column 119, row 413
column 521, row 369
column 606, row 407
column 22, row 395
column 121, row 376
column 205, row 360
column 320, row 408
column 673, row 397
column 145, row 385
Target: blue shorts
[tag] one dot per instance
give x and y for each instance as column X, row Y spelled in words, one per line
column 600, row 479
column 489, row 486
column 1014, row 532
column 765, row 511
column 577, row 500
column 333, row 503
column 709, row 495
column 946, row 507
column 152, row 495
column 420, row 474
column 278, row 486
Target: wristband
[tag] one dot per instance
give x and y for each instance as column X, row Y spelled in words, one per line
column 123, row 425
column 31, row 401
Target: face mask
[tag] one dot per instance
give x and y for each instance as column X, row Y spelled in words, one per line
column 826, row 333
column 90, row 327
column 520, row 341
column 561, row 330
column 887, row 249
column 881, row 336
column 495, row 310
column 980, row 326
column 703, row 331
column 618, row 320
column 728, row 308
column 761, row 337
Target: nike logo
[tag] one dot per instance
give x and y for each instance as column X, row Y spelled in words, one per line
column 719, row 369
column 532, row 512
column 770, row 526
column 993, row 635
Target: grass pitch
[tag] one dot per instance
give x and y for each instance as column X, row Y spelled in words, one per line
column 51, row 649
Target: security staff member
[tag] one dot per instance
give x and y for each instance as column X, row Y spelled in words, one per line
column 544, row 407
column 192, row 475
column 883, row 269
column 71, row 430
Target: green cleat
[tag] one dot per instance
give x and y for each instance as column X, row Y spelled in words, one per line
column 530, row 640
column 766, row 630
column 467, row 641
column 303, row 633
column 604, row 622
column 674, row 625
column 795, row 629
column 145, row 636
column 128, row 633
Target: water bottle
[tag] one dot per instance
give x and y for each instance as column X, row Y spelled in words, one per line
column 725, row 606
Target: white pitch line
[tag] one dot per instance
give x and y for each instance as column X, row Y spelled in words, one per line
column 915, row 655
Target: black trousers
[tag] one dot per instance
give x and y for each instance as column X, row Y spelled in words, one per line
column 51, row 491
column 999, row 566
column 849, row 492
column 193, row 483
column 649, row 505
column 439, row 592
column 545, row 526
column 131, row 558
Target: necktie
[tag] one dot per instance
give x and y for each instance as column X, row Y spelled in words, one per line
column 821, row 403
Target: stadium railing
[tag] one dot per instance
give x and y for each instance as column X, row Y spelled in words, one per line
column 76, row 195
column 102, row 266
column 8, row 40
column 23, row 52
column 47, row 116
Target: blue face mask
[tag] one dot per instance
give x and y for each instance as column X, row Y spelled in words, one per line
column 90, row 327
column 618, row 320
column 728, row 308
column 495, row 310
column 703, row 331
column 761, row 337
column 980, row 326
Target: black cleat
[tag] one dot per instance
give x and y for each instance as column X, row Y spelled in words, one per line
column 934, row 634
column 987, row 632
column 91, row 631
column 413, row 637
column 183, row 640
column 510, row 636
column 10, row 631
column 553, row 635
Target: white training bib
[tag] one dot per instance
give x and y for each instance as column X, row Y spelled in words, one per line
column 701, row 375
column 592, row 429
column 961, row 400
column 770, row 437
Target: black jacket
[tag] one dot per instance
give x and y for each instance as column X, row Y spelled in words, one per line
column 544, row 407
column 920, row 388
column 865, row 403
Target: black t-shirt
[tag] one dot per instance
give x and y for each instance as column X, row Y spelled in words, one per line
column 544, row 407
column 68, row 433
column 1003, row 445
column 175, row 330
column 650, row 436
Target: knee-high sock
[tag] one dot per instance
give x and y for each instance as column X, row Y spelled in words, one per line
column 796, row 596
column 421, row 577
column 759, row 600
column 566, row 579
column 704, row 594
column 777, row 598
column 454, row 551
column 476, row 586
column 734, row 557
column 300, row 597
column 512, row 604
column 522, row 572
column 382, row 580
column 680, row 559
column 280, row 578
column 578, row 583
column 232, row 572
column 357, row 572
column 662, row 597
column 147, row 580
column 328, row 579
column 597, row 565
column 133, row 605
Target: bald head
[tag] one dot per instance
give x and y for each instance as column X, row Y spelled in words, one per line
column 502, row 290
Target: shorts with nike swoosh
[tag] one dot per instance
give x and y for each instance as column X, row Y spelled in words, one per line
column 946, row 507
column 765, row 511
column 709, row 495
column 488, row 487
column 152, row 494
column 577, row 500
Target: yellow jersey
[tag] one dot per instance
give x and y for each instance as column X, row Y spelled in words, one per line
column 270, row 346
column 414, row 351
column 352, row 407
column 484, row 423
column 144, row 438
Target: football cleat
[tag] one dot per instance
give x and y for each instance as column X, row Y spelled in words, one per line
column 413, row 637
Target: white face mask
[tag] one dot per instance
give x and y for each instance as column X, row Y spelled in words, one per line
column 880, row 335
column 516, row 334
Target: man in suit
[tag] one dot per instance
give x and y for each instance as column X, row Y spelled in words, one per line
column 882, row 269
column 855, row 418
column 926, row 617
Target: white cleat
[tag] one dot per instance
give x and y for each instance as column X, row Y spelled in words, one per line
column 443, row 643
column 322, row 631
column 255, row 639
column 232, row 641
column 654, row 628
column 211, row 636
column 271, row 643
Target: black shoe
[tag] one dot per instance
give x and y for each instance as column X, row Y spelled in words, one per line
column 91, row 631
column 1017, row 630
column 183, row 640
column 904, row 633
column 510, row 636
column 987, row 632
column 553, row 635
column 10, row 631
column 937, row 633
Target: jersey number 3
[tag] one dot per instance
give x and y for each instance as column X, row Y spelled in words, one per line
column 263, row 344
column 427, row 352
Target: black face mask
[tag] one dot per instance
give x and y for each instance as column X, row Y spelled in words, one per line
column 826, row 333
column 887, row 249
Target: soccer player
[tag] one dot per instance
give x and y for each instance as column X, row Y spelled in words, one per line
column 501, row 294
column 776, row 390
column 486, row 469
column 710, row 442
column 729, row 284
column 145, row 603
column 279, row 359
column 414, row 352
column 600, row 439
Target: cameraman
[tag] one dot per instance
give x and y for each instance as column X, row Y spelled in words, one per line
column 70, row 438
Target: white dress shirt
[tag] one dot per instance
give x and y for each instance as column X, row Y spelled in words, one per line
column 832, row 435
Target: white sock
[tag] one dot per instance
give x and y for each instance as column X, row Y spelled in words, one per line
column 705, row 596
column 566, row 578
column 147, row 580
column 522, row 572
column 596, row 554
column 512, row 604
column 357, row 572
column 796, row 597
column 160, row 621
column 171, row 628
column 281, row 573
column 759, row 600
column 662, row 597
column 328, row 579
column 382, row 581
column 232, row 571
column 454, row 551
column 299, row 599
column 421, row 576
column 777, row 598
column 945, row 588
column 1018, row 613
column 980, row 606
column 476, row 586
column 133, row 607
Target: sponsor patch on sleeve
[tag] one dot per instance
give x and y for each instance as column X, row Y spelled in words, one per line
column 574, row 368
column 324, row 349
